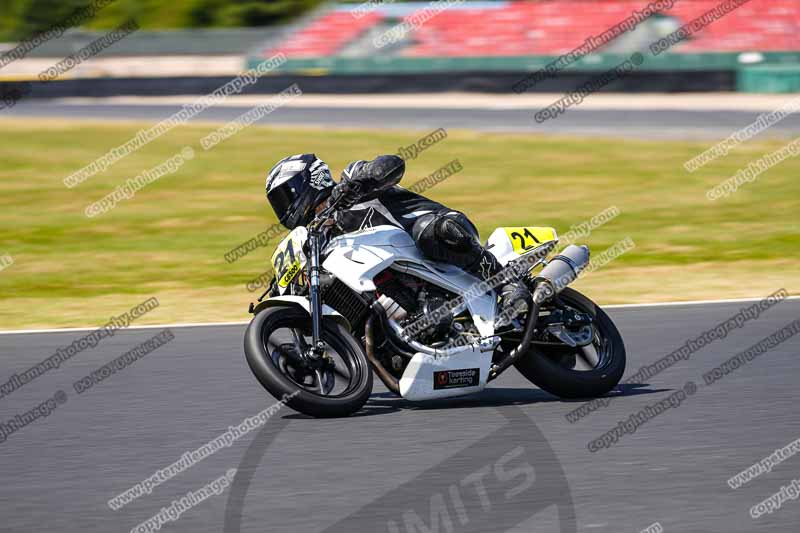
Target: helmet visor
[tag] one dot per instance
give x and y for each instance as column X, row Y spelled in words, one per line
column 283, row 195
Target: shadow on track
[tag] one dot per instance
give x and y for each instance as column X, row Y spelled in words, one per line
column 385, row 402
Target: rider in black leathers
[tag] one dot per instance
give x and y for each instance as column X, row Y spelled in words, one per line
column 368, row 195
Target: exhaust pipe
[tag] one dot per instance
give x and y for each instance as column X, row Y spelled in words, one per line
column 562, row 270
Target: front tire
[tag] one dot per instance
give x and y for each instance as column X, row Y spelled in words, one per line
column 552, row 367
column 282, row 378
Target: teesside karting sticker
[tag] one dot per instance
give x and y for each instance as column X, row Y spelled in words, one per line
column 453, row 379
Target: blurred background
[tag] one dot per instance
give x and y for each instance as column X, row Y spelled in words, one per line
column 680, row 174
column 376, row 76
column 754, row 48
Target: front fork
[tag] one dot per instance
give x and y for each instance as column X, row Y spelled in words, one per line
column 317, row 346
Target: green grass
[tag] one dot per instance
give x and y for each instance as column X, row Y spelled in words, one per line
column 169, row 240
column 21, row 19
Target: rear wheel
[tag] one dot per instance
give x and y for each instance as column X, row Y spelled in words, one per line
column 275, row 344
column 583, row 371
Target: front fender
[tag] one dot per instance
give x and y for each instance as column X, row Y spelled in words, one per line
column 303, row 303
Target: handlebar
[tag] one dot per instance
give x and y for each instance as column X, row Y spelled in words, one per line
column 323, row 216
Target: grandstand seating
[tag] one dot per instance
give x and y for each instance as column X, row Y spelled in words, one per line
column 326, row 35
column 553, row 27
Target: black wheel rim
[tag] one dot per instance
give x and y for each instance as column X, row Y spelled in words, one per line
column 592, row 357
column 285, row 344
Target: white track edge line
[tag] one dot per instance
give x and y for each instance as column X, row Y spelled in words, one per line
column 242, row 323
column 691, row 302
column 147, row 326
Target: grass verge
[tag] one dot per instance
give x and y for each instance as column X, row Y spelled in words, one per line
column 169, row 240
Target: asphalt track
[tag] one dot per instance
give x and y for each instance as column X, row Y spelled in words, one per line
column 504, row 460
column 621, row 123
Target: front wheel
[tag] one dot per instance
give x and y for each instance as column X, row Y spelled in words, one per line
column 581, row 372
column 337, row 385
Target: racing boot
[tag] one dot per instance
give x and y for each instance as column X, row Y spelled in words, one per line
column 514, row 302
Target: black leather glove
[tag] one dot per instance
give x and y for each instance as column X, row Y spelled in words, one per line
column 346, row 194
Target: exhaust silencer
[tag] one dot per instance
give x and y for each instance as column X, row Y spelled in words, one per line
column 562, row 270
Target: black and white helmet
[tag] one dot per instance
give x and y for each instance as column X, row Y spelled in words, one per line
column 296, row 185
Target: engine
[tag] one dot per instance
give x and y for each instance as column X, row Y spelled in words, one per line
column 407, row 299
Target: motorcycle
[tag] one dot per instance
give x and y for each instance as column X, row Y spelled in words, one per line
column 344, row 306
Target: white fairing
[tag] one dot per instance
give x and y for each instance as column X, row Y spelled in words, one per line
column 302, row 301
column 418, row 381
column 356, row 258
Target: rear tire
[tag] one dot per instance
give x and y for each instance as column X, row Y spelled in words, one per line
column 279, row 385
column 541, row 364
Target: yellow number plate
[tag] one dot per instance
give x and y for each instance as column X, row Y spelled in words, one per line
column 526, row 238
column 290, row 274
column 288, row 259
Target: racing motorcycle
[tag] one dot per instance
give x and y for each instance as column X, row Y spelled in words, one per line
column 342, row 306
